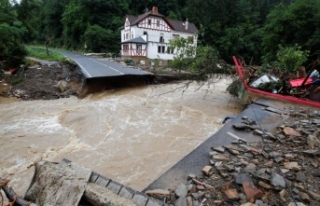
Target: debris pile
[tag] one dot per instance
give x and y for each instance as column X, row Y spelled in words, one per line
column 281, row 170
column 45, row 81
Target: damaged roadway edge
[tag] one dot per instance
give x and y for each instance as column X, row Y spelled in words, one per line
column 198, row 158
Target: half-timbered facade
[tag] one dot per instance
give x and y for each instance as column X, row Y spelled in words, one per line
column 147, row 36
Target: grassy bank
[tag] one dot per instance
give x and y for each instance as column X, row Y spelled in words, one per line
column 41, row 53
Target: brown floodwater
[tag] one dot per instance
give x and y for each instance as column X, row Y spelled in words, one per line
column 130, row 135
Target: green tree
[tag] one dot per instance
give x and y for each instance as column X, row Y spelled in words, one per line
column 12, row 51
column 97, row 38
column 290, row 58
column 29, row 13
column 75, row 20
column 297, row 23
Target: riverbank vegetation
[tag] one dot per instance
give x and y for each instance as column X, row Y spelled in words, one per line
column 42, row 53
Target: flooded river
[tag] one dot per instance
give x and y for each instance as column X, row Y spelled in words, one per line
column 130, row 135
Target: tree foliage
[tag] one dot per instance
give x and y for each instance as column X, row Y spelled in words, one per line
column 290, row 58
column 297, row 23
column 11, row 31
column 251, row 29
column 97, row 38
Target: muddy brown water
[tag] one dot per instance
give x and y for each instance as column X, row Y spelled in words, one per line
column 130, row 135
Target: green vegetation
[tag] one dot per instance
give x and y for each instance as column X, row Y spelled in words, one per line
column 290, row 58
column 41, row 53
column 250, row 29
column 12, row 51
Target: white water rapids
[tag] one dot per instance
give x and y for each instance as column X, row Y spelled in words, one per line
column 130, row 135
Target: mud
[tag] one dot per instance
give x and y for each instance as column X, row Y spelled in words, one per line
column 45, row 82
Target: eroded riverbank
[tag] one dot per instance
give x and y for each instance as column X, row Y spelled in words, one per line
column 130, row 135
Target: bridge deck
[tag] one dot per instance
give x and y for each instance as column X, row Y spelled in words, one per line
column 97, row 68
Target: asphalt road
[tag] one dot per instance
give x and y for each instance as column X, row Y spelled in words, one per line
column 93, row 67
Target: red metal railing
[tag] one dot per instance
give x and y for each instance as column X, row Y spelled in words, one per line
column 277, row 96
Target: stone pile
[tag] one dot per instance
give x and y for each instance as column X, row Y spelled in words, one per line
column 281, row 170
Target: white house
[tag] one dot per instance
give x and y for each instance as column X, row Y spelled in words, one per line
column 147, row 36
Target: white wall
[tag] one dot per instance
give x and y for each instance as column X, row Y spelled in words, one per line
column 153, row 39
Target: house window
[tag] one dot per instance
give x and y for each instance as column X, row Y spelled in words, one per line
column 161, row 40
column 175, row 36
column 161, row 49
column 145, row 33
column 127, row 36
column 125, row 47
column 139, row 47
column 170, row 50
column 149, row 21
column 158, row 22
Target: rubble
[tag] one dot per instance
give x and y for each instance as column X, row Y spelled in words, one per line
column 243, row 175
column 46, row 82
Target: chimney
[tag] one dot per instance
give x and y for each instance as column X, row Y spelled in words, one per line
column 186, row 25
column 155, row 10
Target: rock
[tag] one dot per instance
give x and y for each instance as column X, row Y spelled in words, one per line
column 289, row 156
column 234, row 152
column 255, row 161
column 207, row 170
column 255, row 150
column 269, row 164
column 301, row 177
column 191, row 188
column 213, row 153
column 298, row 204
column 220, row 158
column 300, row 186
column 232, row 194
column 219, row 149
column 189, row 201
column 277, row 180
column 316, row 173
column 292, row 166
column 248, row 204
column 284, row 195
column 311, row 152
column 305, row 197
column 191, row 176
column 314, row 195
column 200, row 187
column 259, row 203
column 198, row 195
column 182, row 201
column 62, row 85
column 243, row 177
column 243, row 162
column 314, row 164
column 264, row 185
column 313, row 141
column 275, row 154
column 250, row 168
column 278, row 159
column 248, row 155
column 181, row 191
column 284, row 171
column 158, row 193
column 288, row 131
column 252, row 193
column 217, row 164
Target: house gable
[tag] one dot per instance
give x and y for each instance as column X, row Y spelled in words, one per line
column 152, row 22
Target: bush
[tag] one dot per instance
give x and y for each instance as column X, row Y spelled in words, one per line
column 290, row 58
